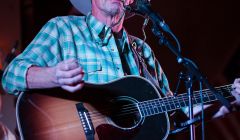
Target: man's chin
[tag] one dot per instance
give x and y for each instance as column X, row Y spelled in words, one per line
column 116, row 11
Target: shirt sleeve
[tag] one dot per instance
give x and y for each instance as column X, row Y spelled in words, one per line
column 42, row 51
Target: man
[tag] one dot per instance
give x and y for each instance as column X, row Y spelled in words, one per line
column 71, row 50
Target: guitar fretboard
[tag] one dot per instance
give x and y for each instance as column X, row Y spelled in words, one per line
column 156, row 106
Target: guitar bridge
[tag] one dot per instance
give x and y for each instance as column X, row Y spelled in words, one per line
column 86, row 121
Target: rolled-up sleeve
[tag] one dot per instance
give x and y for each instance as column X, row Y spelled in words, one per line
column 42, row 51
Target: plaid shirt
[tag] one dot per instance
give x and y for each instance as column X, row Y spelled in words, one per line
column 85, row 39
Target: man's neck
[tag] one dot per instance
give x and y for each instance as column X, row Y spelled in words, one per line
column 111, row 21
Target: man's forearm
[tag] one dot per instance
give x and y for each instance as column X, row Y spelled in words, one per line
column 41, row 77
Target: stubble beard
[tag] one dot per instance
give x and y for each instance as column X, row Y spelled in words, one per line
column 114, row 11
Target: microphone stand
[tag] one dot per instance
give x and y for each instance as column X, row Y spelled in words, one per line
column 188, row 64
column 188, row 84
column 142, row 7
column 192, row 71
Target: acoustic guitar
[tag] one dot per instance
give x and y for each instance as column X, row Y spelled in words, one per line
column 129, row 108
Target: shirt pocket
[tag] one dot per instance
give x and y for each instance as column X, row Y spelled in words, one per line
column 91, row 67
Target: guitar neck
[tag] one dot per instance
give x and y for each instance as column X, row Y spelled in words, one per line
column 156, row 106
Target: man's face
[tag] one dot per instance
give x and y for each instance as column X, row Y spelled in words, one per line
column 111, row 7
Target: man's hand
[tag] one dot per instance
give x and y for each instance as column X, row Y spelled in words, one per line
column 236, row 93
column 69, row 75
column 66, row 74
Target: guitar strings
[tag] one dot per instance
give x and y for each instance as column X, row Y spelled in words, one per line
column 173, row 99
column 136, row 108
column 122, row 116
column 131, row 108
column 126, row 112
column 147, row 106
column 119, row 118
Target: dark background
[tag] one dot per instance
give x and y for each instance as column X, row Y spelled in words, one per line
column 207, row 30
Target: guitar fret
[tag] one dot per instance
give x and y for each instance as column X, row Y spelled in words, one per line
column 147, row 108
column 206, row 97
column 157, row 106
column 212, row 97
column 182, row 103
column 224, row 90
column 198, row 99
column 167, row 104
column 144, row 109
column 172, row 105
column 197, row 96
column 229, row 89
column 154, row 108
column 177, row 103
column 151, row 108
column 161, row 103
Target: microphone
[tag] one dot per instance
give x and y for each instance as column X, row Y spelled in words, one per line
column 143, row 7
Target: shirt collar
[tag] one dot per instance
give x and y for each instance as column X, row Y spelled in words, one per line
column 99, row 30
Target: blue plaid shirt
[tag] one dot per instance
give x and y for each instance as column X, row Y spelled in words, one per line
column 79, row 37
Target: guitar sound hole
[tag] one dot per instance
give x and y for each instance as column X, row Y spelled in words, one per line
column 125, row 113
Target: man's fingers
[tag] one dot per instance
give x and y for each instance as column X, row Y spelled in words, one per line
column 73, row 89
column 237, row 85
column 68, row 65
column 71, row 81
column 221, row 112
column 236, row 95
column 236, row 82
column 238, row 91
column 70, row 73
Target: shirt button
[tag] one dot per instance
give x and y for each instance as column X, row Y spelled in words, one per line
column 112, row 50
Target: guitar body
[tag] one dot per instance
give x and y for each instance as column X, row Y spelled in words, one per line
column 110, row 111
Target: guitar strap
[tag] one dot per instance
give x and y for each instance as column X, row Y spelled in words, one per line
column 142, row 66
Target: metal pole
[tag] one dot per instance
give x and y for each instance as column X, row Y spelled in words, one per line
column 190, row 99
